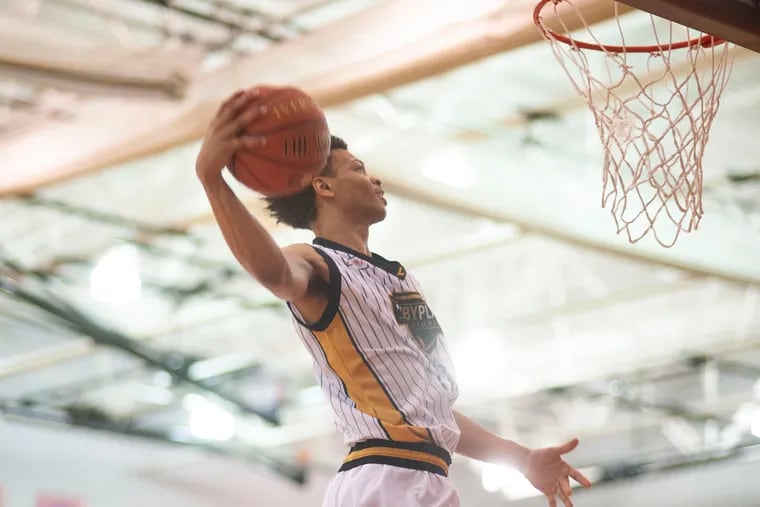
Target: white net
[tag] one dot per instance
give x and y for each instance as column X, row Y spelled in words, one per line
column 653, row 107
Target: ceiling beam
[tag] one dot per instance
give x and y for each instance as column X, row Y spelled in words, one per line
column 45, row 356
column 79, row 419
column 174, row 363
column 460, row 44
column 43, row 54
column 388, row 45
column 434, row 198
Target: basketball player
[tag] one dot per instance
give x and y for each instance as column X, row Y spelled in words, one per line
column 378, row 350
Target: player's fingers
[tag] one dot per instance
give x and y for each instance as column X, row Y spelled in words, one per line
column 237, row 105
column 237, row 125
column 567, row 447
column 564, row 485
column 250, row 142
column 226, row 104
column 565, row 498
column 582, row 479
column 552, row 500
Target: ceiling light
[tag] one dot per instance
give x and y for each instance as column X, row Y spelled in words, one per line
column 491, row 478
column 478, row 359
column 162, row 379
column 115, row 278
column 208, row 421
column 448, row 168
column 512, row 483
column 219, row 365
column 155, row 395
column 755, row 427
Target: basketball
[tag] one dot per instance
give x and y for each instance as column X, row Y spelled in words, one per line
column 297, row 147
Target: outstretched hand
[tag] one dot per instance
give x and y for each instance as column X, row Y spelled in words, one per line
column 223, row 136
column 550, row 474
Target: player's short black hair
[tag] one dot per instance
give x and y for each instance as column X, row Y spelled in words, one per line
column 300, row 210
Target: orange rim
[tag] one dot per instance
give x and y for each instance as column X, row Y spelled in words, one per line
column 706, row 41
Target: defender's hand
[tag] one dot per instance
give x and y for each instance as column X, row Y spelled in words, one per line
column 223, row 136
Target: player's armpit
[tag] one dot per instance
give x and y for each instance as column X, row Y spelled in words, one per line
column 305, row 269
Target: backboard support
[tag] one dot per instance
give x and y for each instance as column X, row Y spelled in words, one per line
column 737, row 21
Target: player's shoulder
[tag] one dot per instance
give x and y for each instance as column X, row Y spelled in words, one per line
column 320, row 263
column 305, row 251
column 302, row 250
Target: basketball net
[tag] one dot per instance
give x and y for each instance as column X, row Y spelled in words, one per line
column 653, row 107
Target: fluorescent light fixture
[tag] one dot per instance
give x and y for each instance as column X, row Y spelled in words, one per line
column 478, row 359
column 755, row 426
column 115, row 279
column 155, row 395
column 208, row 421
column 491, row 478
column 448, row 168
column 162, row 379
column 219, row 365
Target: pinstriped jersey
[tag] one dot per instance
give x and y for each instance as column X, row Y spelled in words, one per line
column 379, row 353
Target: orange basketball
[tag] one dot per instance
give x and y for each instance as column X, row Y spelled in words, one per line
column 297, row 147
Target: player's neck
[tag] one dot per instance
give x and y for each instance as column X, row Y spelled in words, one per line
column 354, row 238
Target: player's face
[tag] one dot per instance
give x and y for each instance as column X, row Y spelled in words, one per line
column 356, row 191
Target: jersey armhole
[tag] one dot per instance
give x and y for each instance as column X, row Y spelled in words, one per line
column 333, row 297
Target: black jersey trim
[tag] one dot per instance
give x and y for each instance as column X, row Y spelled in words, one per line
column 333, row 297
column 392, row 267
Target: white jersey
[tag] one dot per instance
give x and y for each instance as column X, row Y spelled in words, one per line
column 379, row 355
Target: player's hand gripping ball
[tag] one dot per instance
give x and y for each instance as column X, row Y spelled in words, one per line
column 297, row 143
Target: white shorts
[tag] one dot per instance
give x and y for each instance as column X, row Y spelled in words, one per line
column 375, row 485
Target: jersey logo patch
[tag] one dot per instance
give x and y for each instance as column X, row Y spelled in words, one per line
column 410, row 309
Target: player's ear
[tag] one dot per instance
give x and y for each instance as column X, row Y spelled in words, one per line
column 322, row 186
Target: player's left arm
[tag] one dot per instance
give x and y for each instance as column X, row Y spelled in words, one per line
column 544, row 467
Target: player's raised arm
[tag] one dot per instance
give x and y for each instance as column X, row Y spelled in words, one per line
column 286, row 274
